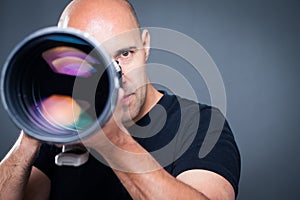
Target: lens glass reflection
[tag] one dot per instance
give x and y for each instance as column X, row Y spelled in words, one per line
column 70, row 61
column 65, row 112
column 58, row 105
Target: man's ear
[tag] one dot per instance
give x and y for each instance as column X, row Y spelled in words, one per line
column 146, row 42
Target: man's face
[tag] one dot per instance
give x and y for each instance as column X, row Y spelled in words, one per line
column 128, row 49
column 124, row 41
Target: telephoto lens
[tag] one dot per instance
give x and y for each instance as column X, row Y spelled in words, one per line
column 59, row 85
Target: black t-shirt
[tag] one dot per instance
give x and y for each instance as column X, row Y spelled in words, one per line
column 179, row 133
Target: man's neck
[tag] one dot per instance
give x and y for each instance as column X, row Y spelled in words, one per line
column 152, row 97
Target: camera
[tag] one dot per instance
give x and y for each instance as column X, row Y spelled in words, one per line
column 60, row 85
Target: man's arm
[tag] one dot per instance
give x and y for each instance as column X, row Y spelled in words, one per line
column 211, row 184
column 15, row 168
column 38, row 186
column 144, row 178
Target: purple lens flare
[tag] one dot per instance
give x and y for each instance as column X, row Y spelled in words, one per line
column 70, row 61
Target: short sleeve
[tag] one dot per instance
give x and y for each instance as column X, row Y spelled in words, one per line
column 213, row 148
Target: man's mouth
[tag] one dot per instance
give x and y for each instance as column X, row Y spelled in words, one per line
column 126, row 98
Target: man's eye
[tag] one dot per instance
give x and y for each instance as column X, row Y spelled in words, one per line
column 125, row 53
column 125, row 56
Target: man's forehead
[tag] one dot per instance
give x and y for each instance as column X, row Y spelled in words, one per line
column 105, row 30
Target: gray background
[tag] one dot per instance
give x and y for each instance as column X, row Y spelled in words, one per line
column 254, row 43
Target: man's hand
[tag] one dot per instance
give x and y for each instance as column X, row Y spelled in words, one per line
column 111, row 132
column 28, row 143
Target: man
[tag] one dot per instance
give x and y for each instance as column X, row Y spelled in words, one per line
column 129, row 169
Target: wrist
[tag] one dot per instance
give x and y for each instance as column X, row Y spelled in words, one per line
column 27, row 148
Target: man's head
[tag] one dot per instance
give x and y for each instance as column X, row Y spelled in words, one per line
column 115, row 25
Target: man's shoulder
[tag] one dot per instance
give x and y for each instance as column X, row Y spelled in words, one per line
column 185, row 104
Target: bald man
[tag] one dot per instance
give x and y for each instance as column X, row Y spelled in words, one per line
column 130, row 170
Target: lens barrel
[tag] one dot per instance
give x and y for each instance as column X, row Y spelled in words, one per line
column 59, row 85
